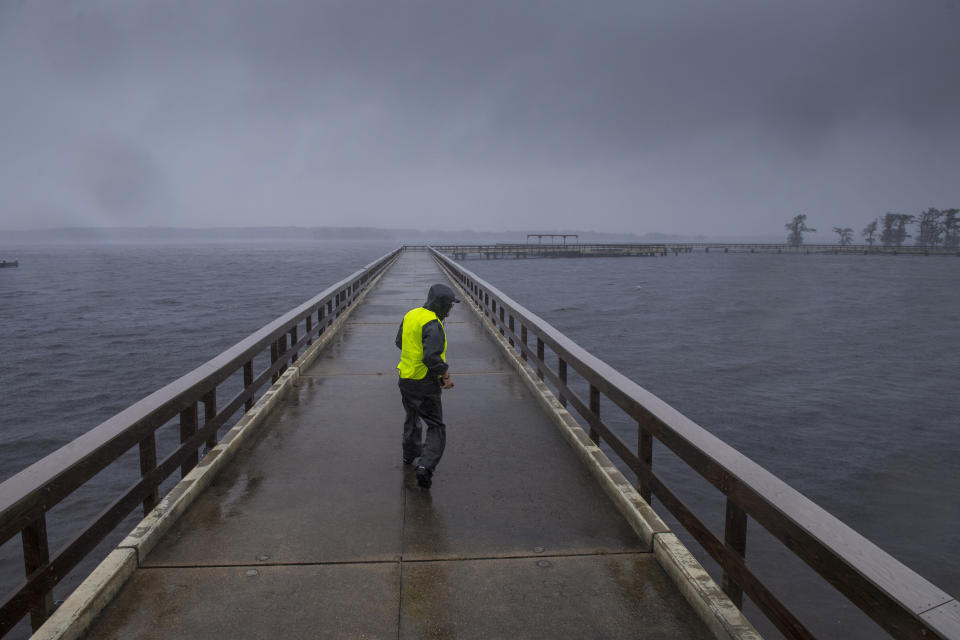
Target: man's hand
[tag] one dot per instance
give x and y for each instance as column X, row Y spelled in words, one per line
column 446, row 382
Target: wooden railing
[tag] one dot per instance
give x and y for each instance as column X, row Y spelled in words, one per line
column 899, row 600
column 26, row 498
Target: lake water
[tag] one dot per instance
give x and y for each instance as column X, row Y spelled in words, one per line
column 86, row 331
column 836, row 373
column 839, row 374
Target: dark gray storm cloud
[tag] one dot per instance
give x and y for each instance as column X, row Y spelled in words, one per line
column 674, row 116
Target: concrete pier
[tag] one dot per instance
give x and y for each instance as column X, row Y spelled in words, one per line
column 317, row 530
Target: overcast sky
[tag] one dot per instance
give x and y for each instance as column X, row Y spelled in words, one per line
column 636, row 116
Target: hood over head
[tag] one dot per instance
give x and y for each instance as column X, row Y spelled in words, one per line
column 439, row 299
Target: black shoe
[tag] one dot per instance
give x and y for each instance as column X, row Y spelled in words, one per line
column 424, row 477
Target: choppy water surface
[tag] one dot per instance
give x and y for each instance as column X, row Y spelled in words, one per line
column 86, row 331
column 837, row 373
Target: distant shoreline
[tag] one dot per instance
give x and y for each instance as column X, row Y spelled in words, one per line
column 155, row 235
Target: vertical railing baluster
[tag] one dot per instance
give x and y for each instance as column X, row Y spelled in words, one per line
column 595, row 410
column 274, row 356
column 321, row 325
column 511, row 330
column 247, row 383
column 540, row 356
column 293, row 342
column 209, row 413
column 310, row 329
column 735, row 537
column 148, row 462
column 282, row 353
column 188, row 427
column 645, row 453
column 562, row 374
column 501, row 320
column 36, row 554
column 523, row 339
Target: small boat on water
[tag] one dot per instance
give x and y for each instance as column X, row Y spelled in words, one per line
column 14, row 263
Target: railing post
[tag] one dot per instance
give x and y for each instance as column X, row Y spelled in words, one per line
column 36, row 554
column 247, row 383
column 148, row 462
column 523, row 339
column 645, row 453
column 274, row 356
column 511, row 330
column 595, row 410
column 310, row 329
column 561, row 373
column 501, row 320
column 735, row 537
column 293, row 342
column 281, row 353
column 540, row 362
column 209, row 413
column 321, row 325
column 188, row 427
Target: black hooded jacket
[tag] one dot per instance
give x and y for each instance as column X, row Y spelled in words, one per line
column 439, row 300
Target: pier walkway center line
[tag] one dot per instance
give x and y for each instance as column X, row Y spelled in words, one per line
column 316, row 529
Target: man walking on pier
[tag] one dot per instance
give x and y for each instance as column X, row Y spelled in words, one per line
column 423, row 373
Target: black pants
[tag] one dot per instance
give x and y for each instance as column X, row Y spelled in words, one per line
column 421, row 401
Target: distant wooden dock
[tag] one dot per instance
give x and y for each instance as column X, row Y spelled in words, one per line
column 533, row 250
column 499, row 251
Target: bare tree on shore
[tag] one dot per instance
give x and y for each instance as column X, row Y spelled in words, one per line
column 931, row 228
column 869, row 232
column 797, row 227
column 895, row 229
column 936, row 228
column 951, row 228
column 845, row 234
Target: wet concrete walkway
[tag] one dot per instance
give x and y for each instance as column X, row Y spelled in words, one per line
column 317, row 530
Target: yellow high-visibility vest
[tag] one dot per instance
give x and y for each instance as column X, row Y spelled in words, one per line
column 411, row 353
